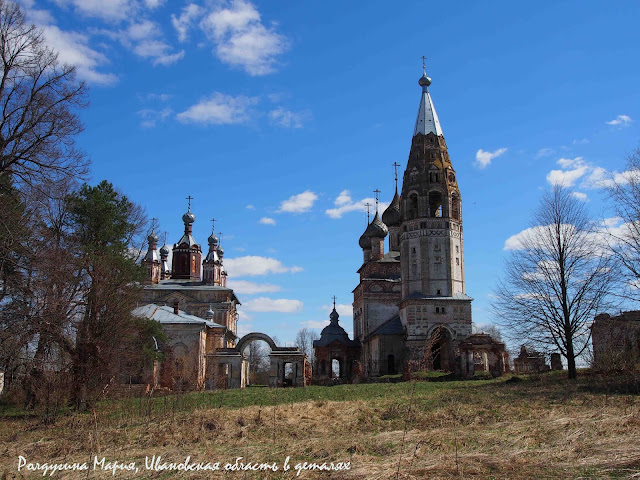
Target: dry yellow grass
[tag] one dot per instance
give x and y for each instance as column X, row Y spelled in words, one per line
column 550, row 428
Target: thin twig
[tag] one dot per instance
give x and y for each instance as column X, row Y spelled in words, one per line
column 406, row 425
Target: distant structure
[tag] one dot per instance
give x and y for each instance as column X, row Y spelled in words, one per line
column 530, row 361
column 197, row 310
column 480, row 352
column 198, row 313
column 410, row 307
column 616, row 340
column 336, row 355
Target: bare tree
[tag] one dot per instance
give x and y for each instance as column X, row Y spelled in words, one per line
column 559, row 276
column 489, row 329
column 304, row 342
column 38, row 98
column 624, row 241
column 258, row 356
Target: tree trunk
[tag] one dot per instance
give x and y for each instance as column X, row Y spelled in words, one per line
column 571, row 360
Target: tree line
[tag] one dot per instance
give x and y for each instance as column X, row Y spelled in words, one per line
column 69, row 278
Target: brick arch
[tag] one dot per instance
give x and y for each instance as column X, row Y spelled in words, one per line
column 250, row 337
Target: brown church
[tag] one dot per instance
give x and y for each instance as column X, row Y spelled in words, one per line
column 410, row 308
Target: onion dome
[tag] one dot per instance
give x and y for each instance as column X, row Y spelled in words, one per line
column 220, row 251
column 164, row 251
column 213, row 240
column 365, row 241
column 424, row 80
column 152, row 238
column 188, row 217
column 333, row 332
column 391, row 215
column 376, row 228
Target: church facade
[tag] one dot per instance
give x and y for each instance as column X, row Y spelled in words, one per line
column 198, row 312
column 410, row 308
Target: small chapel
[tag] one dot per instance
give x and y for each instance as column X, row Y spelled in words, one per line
column 410, row 307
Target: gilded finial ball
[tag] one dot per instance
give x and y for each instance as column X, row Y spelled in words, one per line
column 424, row 80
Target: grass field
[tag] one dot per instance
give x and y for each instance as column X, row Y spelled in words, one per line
column 537, row 427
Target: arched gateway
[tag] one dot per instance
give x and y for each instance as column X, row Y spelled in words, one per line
column 229, row 367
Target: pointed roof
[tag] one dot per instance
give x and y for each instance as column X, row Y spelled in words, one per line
column 427, row 121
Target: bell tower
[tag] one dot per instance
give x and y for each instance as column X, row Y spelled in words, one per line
column 430, row 235
column 186, row 252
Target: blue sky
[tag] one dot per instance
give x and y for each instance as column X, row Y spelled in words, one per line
column 273, row 115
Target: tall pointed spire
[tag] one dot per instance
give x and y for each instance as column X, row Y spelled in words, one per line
column 427, row 120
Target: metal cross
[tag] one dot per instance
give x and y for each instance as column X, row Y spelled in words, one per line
column 424, row 59
column 334, row 302
column 395, row 169
column 153, row 224
column 367, row 205
column 213, row 223
column 189, row 198
column 165, row 237
column 220, row 236
column 377, row 193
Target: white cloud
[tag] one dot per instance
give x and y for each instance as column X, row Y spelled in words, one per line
column 169, row 59
column 344, row 204
column 219, row 109
column 264, row 304
column 251, row 266
column 300, row 203
column 241, row 39
column 570, row 162
column 601, row 178
column 343, row 199
column 343, row 309
column 621, row 120
column 151, row 117
column 250, row 207
column 519, row 240
column 483, row 159
column 163, row 97
column 73, row 48
column 315, row 323
column 287, row 118
column 244, row 328
column 544, row 152
column 250, row 288
column 185, row 20
column 544, row 237
column 581, row 141
column 145, row 39
column 568, row 178
column 267, row 221
column 611, row 221
column 580, row 196
column 109, row 10
column 153, row 3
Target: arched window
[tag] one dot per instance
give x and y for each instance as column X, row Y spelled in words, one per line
column 435, row 204
column 413, row 206
column 455, row 207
